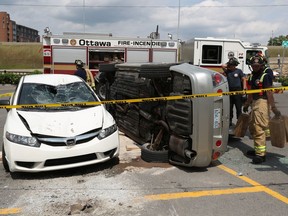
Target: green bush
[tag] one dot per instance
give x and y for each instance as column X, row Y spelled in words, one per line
column 283, row 80
column 13, row 78
column 10, row 78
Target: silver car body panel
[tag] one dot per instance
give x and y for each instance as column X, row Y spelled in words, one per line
column 206, row 129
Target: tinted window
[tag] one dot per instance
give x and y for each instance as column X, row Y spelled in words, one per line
column 211, row 54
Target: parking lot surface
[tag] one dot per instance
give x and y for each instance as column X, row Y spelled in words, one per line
column 130, row 186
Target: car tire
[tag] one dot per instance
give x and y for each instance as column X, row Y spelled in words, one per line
column 155, row 71
column 101, row 90
column 149, row 155
column 107, row 67
column 4, row 161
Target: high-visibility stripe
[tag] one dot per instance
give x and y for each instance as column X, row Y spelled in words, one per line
column 260, row 149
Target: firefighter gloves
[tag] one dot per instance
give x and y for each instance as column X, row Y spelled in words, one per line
column 275, row 111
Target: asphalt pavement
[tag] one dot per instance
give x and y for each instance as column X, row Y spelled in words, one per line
column 230, row 186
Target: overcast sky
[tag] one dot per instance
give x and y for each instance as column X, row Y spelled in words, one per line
column 252, row 21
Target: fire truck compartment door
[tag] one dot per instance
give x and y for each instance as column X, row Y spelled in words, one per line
column 164, row 56
column 68, row 55
column 138, row 55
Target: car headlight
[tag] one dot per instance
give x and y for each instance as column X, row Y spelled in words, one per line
column 23, row 140
column 107, row 132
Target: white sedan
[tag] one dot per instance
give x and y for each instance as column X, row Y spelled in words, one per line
column 43, row 138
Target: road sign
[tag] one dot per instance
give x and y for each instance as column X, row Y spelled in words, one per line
column 285, row 43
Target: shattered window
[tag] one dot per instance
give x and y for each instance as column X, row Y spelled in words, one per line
column 35, row 93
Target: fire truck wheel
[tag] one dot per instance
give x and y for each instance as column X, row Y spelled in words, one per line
column 4, row 161
column 101, row 90
column 149, row 155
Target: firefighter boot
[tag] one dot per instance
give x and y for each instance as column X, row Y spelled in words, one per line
column 251, row 153
column 258, row 159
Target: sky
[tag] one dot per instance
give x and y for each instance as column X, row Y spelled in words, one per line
column 252, row 21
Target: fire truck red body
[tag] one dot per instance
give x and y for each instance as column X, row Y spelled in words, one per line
column 61, row 51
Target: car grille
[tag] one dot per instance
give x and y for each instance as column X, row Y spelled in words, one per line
column 66, row 141
column 78, row 159
column 70, row 160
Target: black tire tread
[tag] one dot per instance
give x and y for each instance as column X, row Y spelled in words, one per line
column 154, row 156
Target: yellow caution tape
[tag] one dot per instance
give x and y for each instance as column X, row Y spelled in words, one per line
column 152, row 99
column 6, row 95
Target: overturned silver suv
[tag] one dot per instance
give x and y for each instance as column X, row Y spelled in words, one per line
column 190, row 131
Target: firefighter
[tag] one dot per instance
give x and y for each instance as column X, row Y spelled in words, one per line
column 266, row 68
column 237, row 82
column 85, row 74
column 269, row 72
column 260, row 103
column 80, row 70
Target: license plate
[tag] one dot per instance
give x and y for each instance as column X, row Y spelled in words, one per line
column 217, row 118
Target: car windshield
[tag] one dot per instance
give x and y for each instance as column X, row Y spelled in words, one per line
column 35, row 93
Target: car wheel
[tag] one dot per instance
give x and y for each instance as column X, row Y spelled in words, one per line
column 4, row 161
column 101, row 90
column 149, row 155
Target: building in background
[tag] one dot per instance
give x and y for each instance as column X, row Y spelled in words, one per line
column 10, row 31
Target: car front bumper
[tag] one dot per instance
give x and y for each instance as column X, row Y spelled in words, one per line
column 23, row 158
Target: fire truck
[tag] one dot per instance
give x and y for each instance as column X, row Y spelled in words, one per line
column 212, row 53
column 61, row 51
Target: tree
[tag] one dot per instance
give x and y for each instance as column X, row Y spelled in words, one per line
column 277, row 41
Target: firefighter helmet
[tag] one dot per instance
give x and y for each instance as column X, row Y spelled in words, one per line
column 79, row 63
column 233, row 61
column 260, row 54
column 256, row 60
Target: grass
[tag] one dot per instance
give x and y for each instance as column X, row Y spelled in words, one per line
column 29, row 55
column 275, row 50
column 21, row 56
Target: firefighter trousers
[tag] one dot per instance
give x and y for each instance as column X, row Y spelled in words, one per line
column 259, row 123
column 237, row 101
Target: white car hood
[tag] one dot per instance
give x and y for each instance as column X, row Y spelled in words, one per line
column 64, row 123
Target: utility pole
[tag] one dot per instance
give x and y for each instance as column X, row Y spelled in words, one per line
column 84, row 16
column 272, row 38
column 178, row 26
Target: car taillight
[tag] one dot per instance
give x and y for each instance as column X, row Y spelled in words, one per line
column 216, row 155
column 218, row 143
column 217, row 79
